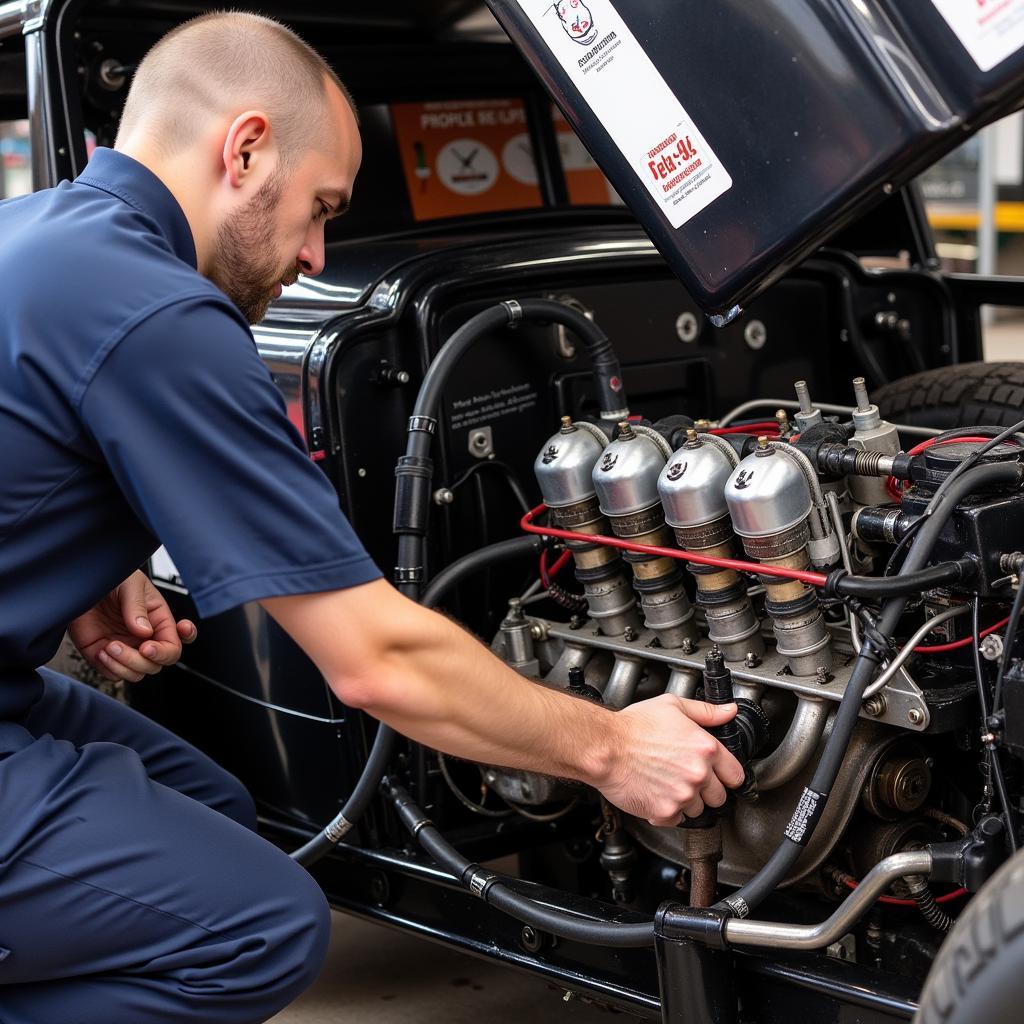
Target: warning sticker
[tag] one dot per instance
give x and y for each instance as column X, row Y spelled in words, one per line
column 465, row 157
column 806, row 816
column 990, row 29
column 643, row 116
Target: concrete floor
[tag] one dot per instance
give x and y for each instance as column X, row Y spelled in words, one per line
column 375, row 974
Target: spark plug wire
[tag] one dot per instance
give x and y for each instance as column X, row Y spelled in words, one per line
column 814, row 579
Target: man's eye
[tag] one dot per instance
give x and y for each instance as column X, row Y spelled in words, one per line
column 321, row 212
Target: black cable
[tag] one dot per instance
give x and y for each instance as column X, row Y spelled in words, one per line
column 866, row 666
column 937, row 575
column 493, row 889
column 415, row 468
column 979, row 675
column 901, row 544
column 510, row 478
column 384, row 742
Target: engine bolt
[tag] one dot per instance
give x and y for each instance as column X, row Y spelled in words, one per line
column 915, row 716
column 688, row 646
column 629, row 634
column 875, row 706
column 751, row 660
column 443, row 496
column 821, row 676
column 991, row 647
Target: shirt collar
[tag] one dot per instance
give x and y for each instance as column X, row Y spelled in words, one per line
column 130, row 181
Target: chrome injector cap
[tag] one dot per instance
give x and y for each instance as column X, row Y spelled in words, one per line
column 563, row 467
column 767, row 493
column 692, row 484
column 626, row 475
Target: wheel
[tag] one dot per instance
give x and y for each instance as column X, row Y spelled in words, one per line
column 988, row 394
column 978, row 975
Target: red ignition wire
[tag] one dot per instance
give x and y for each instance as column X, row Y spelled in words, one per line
column 766, row 427
column 814, row 579
column 546, row 574
column 895, row 901
column 892, row 485
column 957, row 644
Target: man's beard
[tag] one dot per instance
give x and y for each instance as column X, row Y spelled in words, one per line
column 244, row 267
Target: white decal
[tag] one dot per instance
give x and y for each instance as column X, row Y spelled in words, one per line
column 990, row 29
column 632, row 101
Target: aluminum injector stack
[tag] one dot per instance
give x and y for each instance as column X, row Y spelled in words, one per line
column 626, row 481
column 564, row 473
column 871, row 434
column 770, row 500
column 692, row 491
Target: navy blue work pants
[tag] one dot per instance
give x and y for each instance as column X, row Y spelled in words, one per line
column 132, row 887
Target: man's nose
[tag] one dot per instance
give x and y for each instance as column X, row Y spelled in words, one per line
column 312, row 259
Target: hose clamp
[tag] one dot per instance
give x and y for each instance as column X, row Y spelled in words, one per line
column 338, row 829
column 514, row 310
column 426, row 424
column 403, row 574
column 419, row 826
column 478, row 881
column 738, row 905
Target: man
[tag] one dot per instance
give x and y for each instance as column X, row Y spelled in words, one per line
column 135, row 410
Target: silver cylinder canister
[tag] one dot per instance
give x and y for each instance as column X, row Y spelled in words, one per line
column 691, row 487
column 626, row 481
column 564, row 470
column 769, row 501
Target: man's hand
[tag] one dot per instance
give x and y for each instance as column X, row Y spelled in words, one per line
column 131, row 632
column 664, row 765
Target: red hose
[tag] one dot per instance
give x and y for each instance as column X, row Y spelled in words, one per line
column 767, row 427
column 897, row 902
column 957, row 644
column 814, row 579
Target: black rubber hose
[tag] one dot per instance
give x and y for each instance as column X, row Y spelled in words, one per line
column 903, row 584
column 490, row 887
column 815, row 795
column 355, row 806
column 502, row 551
column 384, row 742
column 414, row 469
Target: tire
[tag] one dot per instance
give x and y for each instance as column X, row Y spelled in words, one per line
column 986, row 394
column 978, row 976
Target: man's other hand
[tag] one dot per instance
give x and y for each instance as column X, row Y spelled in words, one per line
column 666, row 766
column 131, row 633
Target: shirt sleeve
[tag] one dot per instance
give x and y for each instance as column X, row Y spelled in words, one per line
column 197, row 437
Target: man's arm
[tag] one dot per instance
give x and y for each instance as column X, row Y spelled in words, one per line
column 424, row 676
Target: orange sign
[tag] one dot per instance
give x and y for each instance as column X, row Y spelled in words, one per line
column 584, row 180
column 466, row 157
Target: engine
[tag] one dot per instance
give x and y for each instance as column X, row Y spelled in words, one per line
column 710, row 560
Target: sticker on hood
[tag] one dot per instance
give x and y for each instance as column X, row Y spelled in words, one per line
column 655, row 134
column 991, row 30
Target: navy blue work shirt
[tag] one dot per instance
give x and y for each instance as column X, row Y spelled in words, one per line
column 135, row 411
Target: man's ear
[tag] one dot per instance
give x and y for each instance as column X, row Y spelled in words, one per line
column 248, row 142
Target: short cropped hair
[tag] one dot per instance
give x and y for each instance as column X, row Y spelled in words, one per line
column 224, row 61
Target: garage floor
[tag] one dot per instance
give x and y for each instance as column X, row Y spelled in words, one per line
column 375, row 974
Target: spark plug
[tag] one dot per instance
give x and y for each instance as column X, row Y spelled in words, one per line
column 744, row 734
